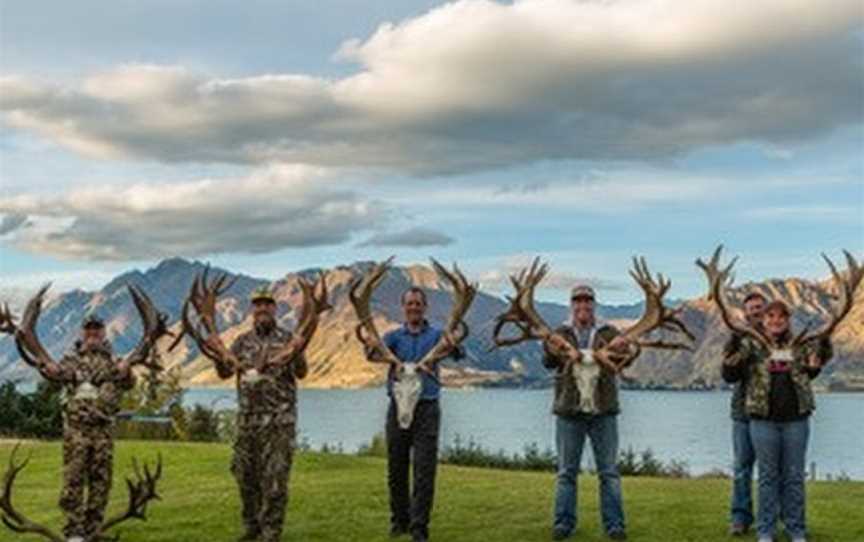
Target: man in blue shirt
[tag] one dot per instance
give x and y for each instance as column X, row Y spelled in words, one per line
column 410, row 342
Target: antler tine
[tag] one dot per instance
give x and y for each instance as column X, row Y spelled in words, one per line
column 7, row 320
column 847, row 287
column 323, row 293
column 455, row 330
column 142, row 489
column 521, row 312
column 26, row 337
column 205, row 273
column 360, row 296
column 153, row 326
column 718, row 279
column 10, row 517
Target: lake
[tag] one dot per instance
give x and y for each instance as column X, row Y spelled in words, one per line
column 692, row 427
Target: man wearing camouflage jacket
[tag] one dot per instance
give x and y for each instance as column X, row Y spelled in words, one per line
column 741, row 513
column 267, row 417
column 93, row 384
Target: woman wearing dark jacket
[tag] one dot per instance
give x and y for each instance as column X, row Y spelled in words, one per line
column 779, row 401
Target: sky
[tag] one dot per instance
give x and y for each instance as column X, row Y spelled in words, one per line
column 272, row 136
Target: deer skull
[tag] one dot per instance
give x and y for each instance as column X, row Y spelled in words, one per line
column 406, row 392
column 586, row 374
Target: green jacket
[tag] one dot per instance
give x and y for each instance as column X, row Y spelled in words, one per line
column 567, row 395
column 752, row 368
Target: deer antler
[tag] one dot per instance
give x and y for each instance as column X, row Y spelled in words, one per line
column 656, row 314
column 455, row 330
column 26, row 338
column 522, row 314
column 142, row 490
column 13, row 519
column 366, row 332
column 718, row 279
column 7, row 320
column 202, row 297
column 314, row 303
column 154, row 327
column 847, row 286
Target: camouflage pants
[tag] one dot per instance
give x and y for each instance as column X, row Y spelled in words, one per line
column 87, row 467
column 263, row 454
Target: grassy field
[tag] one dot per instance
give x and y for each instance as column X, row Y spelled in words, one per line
column 344, row 498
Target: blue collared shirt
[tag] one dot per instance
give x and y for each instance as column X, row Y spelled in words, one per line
column 410, row 348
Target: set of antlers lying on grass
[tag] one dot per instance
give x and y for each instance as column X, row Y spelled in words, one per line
column 34, row 354
column 455, row 329
column 524, row 316
column 141, row 487
column 202, row 299
column 720, row 278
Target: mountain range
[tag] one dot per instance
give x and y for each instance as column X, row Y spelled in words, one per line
column 336, row 359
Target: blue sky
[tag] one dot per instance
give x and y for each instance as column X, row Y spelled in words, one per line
column 273, row 136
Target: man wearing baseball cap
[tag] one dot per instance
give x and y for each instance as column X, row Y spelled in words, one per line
column 586, row 406
column 93, row 383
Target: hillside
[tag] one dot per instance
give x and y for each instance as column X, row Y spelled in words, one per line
column 335, row 356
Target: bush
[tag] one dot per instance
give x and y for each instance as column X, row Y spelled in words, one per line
column 377, row 447
column 471, row 454
column 31, row 415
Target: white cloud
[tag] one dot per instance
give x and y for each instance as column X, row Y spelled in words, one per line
column 497, row 278
column 476, row 84
column 278, row 207
column 813, row 212
column 412, row 237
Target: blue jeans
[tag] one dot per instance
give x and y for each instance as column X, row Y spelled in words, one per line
column 781, row 450
column 742, row 472
column 570, row 436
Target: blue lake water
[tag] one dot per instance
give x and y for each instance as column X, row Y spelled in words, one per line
column 693, row 427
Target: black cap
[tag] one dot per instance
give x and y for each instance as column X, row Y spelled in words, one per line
column 92, row 322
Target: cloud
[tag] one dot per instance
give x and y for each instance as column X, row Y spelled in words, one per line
column 498, row 279
column 512, row 83
column 412, row 238
column 814, row 212
column 278, row 207
column 12, row 222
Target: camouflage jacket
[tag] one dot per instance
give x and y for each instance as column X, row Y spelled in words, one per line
column 752, row 368
column 92, row 386
column 567, row 396
column 739, row 391
column 264, row 391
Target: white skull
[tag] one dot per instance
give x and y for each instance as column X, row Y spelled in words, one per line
column 586, row 375
column 406, row 393
column 252, row 376
column 86, row 391
column 784, row 354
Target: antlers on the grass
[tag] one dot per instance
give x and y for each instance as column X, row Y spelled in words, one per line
column 202, row 298
column 142, row 490
column 847, row 286
column 12, row 518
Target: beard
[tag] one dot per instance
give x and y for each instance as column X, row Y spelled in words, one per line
column 264, row 325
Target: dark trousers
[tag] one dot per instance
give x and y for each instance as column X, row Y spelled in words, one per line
column 419, row 441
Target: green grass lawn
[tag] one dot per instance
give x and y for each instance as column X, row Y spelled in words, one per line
column 344, row 498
